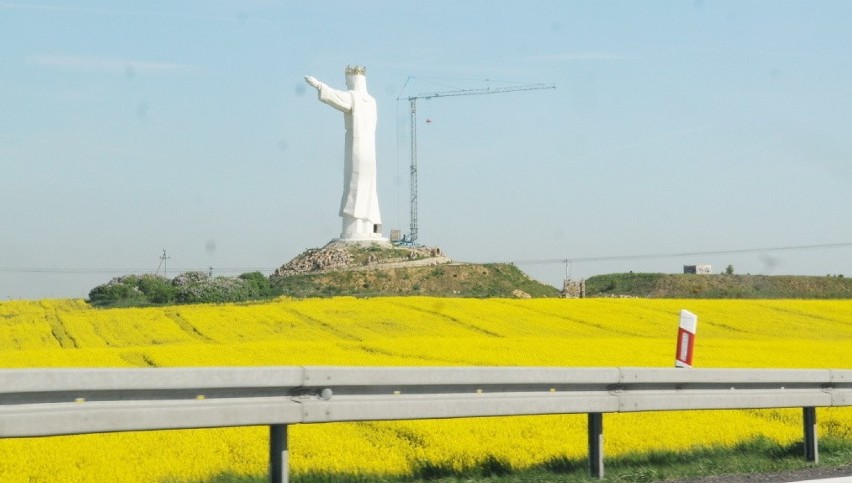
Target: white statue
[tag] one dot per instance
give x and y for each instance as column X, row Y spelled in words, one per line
column 360, row 204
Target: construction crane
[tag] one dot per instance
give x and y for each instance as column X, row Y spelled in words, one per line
column 412, row 100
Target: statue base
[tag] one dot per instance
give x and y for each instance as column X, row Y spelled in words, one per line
column 360, row 229
column 378, row 240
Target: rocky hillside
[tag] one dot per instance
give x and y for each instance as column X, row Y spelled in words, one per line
column 339, row 256
column 374, row 269
column 361, row 270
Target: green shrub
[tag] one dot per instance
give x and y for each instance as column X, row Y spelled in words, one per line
column 215, row 290
column 130, row 290
column 188, row 287
column 115, row 290
column 259, row 284
column 158, row 290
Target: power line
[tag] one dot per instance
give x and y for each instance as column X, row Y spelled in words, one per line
column 84, row 271
column 685, row 254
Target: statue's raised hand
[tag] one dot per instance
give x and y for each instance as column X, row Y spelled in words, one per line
column 312, row 82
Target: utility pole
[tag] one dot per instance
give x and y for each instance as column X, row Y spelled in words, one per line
column 163, row 259
column 412, row 100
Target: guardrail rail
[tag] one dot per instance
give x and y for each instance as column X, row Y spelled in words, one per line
column 47, row 402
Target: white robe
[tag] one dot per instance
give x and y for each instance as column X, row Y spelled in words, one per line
column 360, row 199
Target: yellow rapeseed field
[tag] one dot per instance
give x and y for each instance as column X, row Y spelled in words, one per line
column 404, row 332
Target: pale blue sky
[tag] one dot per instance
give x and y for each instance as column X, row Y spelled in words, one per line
column 127, row 128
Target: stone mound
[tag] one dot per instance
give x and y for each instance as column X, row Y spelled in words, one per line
column 344, row 256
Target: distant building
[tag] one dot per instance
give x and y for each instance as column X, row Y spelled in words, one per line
column 698, row 269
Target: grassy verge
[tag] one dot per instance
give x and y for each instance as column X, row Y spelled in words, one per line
column 474, row 281
column 754, row 456
column 669, row 285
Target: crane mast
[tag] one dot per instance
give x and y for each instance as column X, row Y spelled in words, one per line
column 412, row 100
column 412, row 234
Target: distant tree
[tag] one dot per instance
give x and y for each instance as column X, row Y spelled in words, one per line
column 214, row 290
column 114, row 292
column 258, row 283
column 133, row 290
column 186, row 288
column 729, row 270
column 157, row 289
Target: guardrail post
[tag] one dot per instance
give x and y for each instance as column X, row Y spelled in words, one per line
column 279, row 456
column 810, row 423
column 596, row 467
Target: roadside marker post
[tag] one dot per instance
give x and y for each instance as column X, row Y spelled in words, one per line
column 686, row 339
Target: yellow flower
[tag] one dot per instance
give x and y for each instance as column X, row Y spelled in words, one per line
column 412, row 331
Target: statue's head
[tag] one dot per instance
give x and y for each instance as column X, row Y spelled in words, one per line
column 356, row 78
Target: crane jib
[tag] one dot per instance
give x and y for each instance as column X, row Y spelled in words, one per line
column 412, row 237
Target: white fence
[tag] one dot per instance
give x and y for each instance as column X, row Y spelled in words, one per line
column 45, row 402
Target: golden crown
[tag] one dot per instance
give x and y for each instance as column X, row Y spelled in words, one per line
column 356, row 70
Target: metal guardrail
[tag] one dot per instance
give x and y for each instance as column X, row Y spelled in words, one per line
column 43, row 402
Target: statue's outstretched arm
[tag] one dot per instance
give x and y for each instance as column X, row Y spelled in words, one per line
column 340, row 100
column 313, row 82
